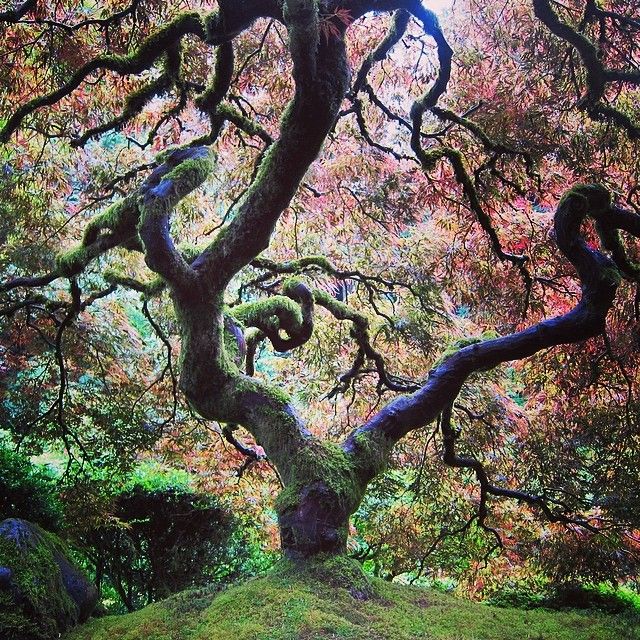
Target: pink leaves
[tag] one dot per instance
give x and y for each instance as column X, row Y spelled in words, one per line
column 330, row 24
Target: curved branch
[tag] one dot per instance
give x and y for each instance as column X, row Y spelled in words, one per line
column 136, row 62
column 183, row 171
column 291, row 312
column 432, row 27
column 429, row 158
column 29, row 282
column 599, row 277
column 360, row 333
column 597, row 75
column 219, row 83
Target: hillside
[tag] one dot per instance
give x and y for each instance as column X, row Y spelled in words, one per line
column 290, row 605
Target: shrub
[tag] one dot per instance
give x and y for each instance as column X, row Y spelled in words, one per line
column 160, row 539
column 28, row 491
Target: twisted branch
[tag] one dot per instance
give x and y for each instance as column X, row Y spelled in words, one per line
column 599, row 276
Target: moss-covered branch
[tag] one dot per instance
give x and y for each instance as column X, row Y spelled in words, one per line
column 489, row 144
column 303, row 25
column 116, row 226
column 291, row 313
column 135, row 102
column 599, row 278
column 182, row 172
column 143, row 58
column 304, row 127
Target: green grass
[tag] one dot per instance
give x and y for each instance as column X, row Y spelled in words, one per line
column 290, row 605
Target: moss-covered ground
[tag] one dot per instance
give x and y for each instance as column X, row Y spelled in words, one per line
column 288, row 605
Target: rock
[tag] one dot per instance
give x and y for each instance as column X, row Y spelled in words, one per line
column 42, row 593
column 5, row 577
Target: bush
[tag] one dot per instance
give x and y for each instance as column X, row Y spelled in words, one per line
column 160, row 539
column 28, row 491
column 602, row 597
column 140, row 539
column 518, row 598
column 569, row 595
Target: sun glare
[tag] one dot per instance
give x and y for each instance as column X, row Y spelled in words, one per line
column 441, row 7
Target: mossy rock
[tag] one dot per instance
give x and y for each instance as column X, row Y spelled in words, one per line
column 42, row 593
column 317, row 601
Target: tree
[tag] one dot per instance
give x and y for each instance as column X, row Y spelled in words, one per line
column 324, row 481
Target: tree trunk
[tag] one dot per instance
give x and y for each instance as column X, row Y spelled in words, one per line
column 315, row 523
column 323, row 487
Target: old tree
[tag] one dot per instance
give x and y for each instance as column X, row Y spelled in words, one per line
column 276, row 167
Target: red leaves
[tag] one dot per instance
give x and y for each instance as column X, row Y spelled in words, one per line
column 329, row 26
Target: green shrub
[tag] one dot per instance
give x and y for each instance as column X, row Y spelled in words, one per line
column 516, row 597
column 28, row 491
column 161, row 537
column 603, row 597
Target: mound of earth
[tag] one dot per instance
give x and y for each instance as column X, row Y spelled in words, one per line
column 333, row 600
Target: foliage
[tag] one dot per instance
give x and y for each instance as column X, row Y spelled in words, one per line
column 146, row 535
column 28, row 491
column 600, row 597
column 160, row 541
column 160, row 537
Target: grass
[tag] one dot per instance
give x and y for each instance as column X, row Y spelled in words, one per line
column 290, row 604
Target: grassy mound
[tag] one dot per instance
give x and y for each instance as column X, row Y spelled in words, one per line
column 335, row 602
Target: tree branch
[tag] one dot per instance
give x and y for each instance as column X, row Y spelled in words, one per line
column 599, row 277
column 141, row 59
column 182, row 171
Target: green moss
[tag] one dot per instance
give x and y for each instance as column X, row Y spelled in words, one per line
column 290, row 285
column 233, row 332
column 46, row 608
column 212, row 23
column 316, row 602
column 372, row 450
column 192, row 173
column 182, row 179
column 312, row 261
column 326, row 463
column 70, row 263
column 120, row 216
column 189, row 251
column 461, row 343
column 266, row 314
column 150, row 288
column 337, row 571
